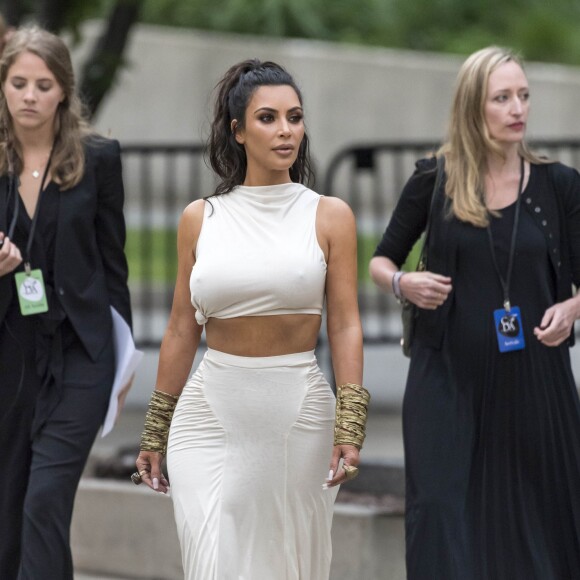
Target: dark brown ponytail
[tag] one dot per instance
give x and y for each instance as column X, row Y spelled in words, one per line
column 234, row 91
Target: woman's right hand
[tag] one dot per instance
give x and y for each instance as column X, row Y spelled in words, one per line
column 149, row 467
column 10, row 257
column 425, row 289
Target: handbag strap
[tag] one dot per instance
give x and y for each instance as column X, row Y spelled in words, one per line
column 438, row 180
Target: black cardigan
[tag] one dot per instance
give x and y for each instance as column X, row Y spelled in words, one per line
column 555, row 209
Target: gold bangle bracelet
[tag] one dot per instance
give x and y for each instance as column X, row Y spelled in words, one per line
column 157, row 422
column 352, row 401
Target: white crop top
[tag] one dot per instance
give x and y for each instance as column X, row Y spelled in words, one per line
column 258, row 254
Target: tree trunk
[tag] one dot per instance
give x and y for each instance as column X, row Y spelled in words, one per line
column 51, row 14
column 100, row 68
column 13, row 11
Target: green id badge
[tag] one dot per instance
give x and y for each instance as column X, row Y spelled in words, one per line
column 31, row 294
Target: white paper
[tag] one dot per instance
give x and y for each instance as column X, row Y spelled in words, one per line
column 127, row 359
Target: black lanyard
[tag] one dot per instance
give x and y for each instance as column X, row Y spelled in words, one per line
column 13, row 190
column 505, row 283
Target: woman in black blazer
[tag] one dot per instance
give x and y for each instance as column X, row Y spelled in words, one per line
column 62, row 268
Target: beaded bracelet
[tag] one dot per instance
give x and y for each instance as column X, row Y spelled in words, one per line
column 352, row 403
column 157, row 422
column 396, row 282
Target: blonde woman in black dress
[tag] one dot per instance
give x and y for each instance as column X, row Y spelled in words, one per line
column 491, row 410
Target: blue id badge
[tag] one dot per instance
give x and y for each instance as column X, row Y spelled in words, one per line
column 508, row 328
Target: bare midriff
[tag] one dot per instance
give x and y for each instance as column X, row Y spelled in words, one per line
column 263, row 335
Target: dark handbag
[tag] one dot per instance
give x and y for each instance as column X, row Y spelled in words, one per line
column 410, row 310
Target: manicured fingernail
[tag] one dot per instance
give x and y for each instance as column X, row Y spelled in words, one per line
column 325, row 486
column 330, row 475
column 155, row 483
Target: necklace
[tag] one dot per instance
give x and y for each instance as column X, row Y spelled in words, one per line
column 36, row 173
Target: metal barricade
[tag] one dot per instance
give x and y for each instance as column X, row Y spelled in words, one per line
column 162, row 179
column 370, row 178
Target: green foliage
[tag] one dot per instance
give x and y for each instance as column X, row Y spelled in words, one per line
column 539, row 30
column 542, row 35
column 270, row 17
column 152, row 255
column 412, row 260
column 366, row 245
column 75, row 12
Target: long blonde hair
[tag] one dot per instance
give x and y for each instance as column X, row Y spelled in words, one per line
column 68, row 158
column 469, row 143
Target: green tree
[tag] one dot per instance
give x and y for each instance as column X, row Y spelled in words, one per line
column 100, row 68
column 544, row 32
column 541, row 31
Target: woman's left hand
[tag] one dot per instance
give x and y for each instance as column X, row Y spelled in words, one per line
column 350, row 455
column 557, row 322
column 10, row 257
column 149, row 468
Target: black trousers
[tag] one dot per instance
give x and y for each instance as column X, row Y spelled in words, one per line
column 41, row 474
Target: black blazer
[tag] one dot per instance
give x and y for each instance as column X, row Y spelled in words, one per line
column 555, row 209
column 90, row 267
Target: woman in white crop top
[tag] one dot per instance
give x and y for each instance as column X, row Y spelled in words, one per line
column 250, row 442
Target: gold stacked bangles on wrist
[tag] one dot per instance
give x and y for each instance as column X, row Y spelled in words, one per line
column 157, row 422
column 352, row 403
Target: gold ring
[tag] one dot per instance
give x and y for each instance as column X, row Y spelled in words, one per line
column 136, row 478
column 351, row 471
column 143, row 471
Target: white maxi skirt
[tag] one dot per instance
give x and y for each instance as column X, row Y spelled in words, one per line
column 249, row 449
